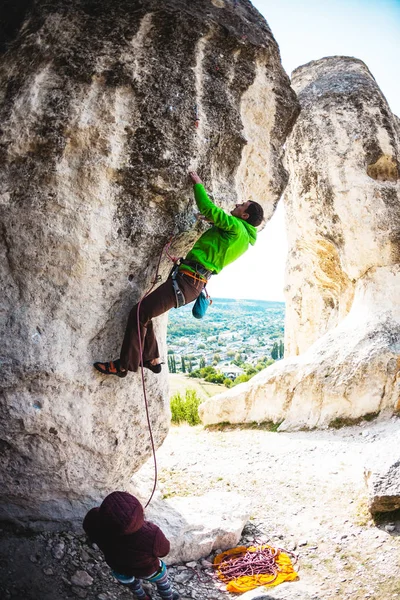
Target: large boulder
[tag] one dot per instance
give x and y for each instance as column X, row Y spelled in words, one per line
column 342, row 336
column 104, row 107
column 382, row 476
column 197, row 525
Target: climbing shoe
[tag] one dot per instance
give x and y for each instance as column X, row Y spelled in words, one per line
column 155, row 368
column 110, row 368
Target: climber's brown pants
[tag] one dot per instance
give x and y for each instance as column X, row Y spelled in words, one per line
column 154, row 305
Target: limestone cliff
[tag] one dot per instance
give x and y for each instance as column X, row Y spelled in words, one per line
column 104, row 107
column 343, row 271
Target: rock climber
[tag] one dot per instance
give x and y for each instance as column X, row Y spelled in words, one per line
column 227, row 239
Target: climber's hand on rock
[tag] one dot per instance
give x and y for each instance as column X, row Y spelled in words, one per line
column 201, row 217
column 194, row 177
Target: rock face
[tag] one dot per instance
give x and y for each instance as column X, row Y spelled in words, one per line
column 343, row 273
column 104, row 107
column 198, row 525
column 382, row 476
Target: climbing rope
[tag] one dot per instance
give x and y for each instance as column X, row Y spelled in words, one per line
column 260, row 562
column 153, row 283
column 245, row 568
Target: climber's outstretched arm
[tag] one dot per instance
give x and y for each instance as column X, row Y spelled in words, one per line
column 209, row 210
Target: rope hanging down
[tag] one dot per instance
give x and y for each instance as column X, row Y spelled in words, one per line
column 153, row 283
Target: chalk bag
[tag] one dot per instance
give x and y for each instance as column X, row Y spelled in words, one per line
column 200, row 306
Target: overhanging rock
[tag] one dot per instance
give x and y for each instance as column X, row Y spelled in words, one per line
column 104, row 108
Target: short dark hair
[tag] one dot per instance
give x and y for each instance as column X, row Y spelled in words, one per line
column 256, row 214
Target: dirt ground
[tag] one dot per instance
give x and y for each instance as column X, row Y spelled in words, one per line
column 308, row 495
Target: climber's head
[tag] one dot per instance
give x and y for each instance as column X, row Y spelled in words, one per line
column 249, row 211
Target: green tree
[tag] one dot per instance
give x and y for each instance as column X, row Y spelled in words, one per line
column 215, row 378
column 217, row 358
column 281, row 349
column 242, row 378
column 275, row 351
column 202, row 362
column 185, row 409
column 183, row 366
column 171, row 364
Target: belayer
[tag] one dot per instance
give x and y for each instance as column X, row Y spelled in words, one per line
column 221, row 244
column 131, row 546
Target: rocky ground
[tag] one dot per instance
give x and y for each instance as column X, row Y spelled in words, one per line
column 308, row 495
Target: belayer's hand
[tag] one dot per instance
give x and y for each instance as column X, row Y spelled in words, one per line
column 194, row 177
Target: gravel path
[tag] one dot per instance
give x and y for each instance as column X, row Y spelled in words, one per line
column 308, row 495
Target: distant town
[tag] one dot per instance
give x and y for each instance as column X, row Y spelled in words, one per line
column 234, row 336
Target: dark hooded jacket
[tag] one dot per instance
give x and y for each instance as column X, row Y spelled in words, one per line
column 131, row 545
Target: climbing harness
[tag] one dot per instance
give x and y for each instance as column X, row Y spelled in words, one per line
column 179, row 295
column 193, row 275
column 245, row 568
column 201, row 274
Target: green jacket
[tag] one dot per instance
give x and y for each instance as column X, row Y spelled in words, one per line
column 225, row 241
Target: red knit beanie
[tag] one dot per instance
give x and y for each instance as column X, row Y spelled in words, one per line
column 121, row 513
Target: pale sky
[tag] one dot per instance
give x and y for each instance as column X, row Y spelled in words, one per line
column 309, row 30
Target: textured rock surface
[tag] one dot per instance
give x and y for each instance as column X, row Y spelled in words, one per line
column 104, row 107
column 382, row 476
column 343, row 274
column 198, row 525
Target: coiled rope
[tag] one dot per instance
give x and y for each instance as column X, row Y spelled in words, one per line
column 245, row 568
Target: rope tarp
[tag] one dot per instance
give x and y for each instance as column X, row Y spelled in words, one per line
column 246, row 568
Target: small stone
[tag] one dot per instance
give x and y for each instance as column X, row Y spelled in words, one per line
column 81, row 579
column 302, row 543
column 183, row 576
column 192, row 564
column 59, row 550
column 103, row 597
column 33, row 558
column 390, row 527
column 48, row 571
column 81, row 593
column 206, row 564
column 85, row 556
